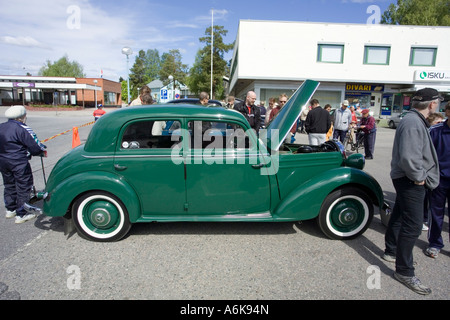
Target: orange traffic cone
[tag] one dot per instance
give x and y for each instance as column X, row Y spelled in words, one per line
column 75, row 138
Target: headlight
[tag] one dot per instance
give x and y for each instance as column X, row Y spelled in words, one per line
column 355, row 160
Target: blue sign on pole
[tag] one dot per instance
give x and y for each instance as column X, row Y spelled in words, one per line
column 163, row 94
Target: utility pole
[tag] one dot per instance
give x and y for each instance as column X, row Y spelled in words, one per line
column 212, row 50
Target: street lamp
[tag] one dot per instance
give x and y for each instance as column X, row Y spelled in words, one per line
column 173, row 87
column 127, row 51
column 95, row 93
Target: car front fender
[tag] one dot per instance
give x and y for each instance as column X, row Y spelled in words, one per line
column 304, row 202
column 61, row 196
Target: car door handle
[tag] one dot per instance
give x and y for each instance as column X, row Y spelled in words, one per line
column 258, row 166
column 119, row 167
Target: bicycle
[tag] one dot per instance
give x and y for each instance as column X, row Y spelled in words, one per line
column 354, row 140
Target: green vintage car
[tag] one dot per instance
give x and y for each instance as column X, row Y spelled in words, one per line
column 165, row 163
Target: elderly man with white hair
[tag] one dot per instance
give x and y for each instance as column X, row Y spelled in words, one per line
column 18, row 143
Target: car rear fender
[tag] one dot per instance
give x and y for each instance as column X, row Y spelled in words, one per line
column 304, row 202
column 61, row 197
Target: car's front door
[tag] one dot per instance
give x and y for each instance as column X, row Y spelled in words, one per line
column 223, row 171
column 144, row 159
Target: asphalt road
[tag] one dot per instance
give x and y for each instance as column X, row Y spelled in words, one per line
column 203, row 261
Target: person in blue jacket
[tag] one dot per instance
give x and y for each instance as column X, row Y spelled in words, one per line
column 440, row 135
column 18, row 143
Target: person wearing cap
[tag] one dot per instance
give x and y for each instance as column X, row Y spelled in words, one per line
column 414, row 168
column 99, row 112
column 18, row 143
column 440, row 135
column 369, row 128
column 342, row 121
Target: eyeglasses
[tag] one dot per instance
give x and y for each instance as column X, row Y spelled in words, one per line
column 282, row 101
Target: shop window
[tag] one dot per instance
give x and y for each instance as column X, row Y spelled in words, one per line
column 377, row 55
column 330, row 53
column 423, row 56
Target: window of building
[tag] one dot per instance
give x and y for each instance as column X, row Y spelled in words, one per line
column 377, row 55
column 331, row 53
column 109, row 97
column 423, row 56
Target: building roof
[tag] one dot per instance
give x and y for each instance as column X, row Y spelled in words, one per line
column 65, row 83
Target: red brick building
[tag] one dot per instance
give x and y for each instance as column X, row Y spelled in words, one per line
column 28, row 90
column 109, row 95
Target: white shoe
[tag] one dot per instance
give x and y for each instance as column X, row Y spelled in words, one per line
column 32, row 209
column 424, row 227
column 10, row 214
column 25, row 218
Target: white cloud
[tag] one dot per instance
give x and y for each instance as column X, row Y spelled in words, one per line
column 22, row 41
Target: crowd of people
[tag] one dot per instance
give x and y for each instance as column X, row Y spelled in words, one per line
column 420, row 166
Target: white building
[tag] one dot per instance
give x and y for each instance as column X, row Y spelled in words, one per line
column 377, row 66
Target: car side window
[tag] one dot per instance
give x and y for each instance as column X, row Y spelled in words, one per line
column 217, row 135
column 161, row 134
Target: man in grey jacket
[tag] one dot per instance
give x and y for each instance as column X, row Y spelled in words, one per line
column 342, row 121
column 414, row 167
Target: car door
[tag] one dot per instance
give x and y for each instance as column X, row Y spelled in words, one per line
column 146, row 161
column 223, row 171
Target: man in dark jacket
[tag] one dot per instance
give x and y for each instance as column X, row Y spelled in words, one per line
column 250, row 111
column 18, row 143
column 317, row 124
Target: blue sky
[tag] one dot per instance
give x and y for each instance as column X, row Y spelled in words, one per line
column 93, row 32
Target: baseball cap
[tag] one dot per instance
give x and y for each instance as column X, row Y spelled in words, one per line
column 427, row 94
column 15, row 112
column 365, row 111
column 345, row 102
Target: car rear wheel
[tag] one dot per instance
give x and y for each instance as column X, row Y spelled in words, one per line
column 392, row 124
column 100, row 216
column 345, row 214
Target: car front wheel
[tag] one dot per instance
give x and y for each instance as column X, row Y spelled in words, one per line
column 345, row 214
column 100, row 216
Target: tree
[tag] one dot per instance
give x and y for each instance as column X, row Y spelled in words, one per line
column 200, row 74
column 418, row 12
column 145, row 69
column 172, row 65
column 62, row 68
column 138, row 74
column 152, row 63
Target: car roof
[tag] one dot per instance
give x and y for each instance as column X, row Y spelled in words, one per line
column 104, row 133
column 195, row 101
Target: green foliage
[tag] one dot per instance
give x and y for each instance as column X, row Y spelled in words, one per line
column 138, row 74
column 62, row 68
column 200, row 74
column 171, row 64
column 418, row 12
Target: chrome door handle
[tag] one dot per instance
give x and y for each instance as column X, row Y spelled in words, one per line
column 258, row 166
column 119, row 167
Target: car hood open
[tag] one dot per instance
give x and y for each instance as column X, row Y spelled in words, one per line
column 280, row 126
